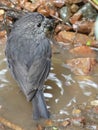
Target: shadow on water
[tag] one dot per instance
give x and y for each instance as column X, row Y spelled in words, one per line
column 63, row 92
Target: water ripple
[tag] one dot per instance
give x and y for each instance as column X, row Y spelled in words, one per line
column 85, row 83
column 52, row 77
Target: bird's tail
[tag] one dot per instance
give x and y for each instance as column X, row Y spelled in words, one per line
column 39, row 106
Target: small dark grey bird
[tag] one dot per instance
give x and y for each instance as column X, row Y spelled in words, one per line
column 28, row 53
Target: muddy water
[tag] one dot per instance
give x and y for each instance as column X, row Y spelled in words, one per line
column 64, row 91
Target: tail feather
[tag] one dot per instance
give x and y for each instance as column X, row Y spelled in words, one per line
column 39, row 106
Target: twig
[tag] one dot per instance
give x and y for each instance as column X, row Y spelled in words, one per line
column 96, row 6
column 9, row 124
column 59, row 19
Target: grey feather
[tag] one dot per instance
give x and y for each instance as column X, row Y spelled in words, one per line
column 28, row 52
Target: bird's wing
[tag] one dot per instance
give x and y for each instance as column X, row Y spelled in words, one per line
column 30, row 65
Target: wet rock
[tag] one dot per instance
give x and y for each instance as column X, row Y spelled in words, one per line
column 47, row 9
column 51, row 128
column 2, row 127
column 64, row 37
column 92, row 113
column 2, row 34
column 73, row 1
column 78, row 121
column 21, row 2
column 81, row 66
column 91, row 127
column 94, row 103
column 1, row 14
column 72, row 38
column 61, row 27
column 74, row 8
column 31, row 6
column 83, row 51
column 83, row 26
column 1, row 11
column 49, row 123
column 76, row 112
column 88, row 11
column 54, row 128
column 58, row 3
column 65, row 123
column 3, row 37
column 0, row 106
column 39, row 127
column 6, row 2
column 65, row 13
column 76, row 17
column 42, row 9
column 95, row 110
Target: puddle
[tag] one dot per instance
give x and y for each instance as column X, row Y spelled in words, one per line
column 64, row 91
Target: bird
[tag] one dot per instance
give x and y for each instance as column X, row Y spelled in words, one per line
column 28, row 52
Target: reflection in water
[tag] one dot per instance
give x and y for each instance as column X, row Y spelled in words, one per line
column 63, row 91
column 86, row 86
column 52, row 76
column 86, row 83
column 68, row 79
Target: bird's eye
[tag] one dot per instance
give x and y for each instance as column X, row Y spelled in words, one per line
column 38, row 25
